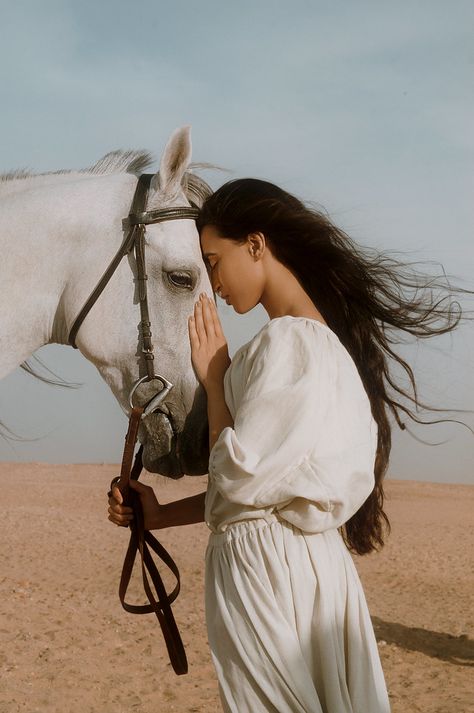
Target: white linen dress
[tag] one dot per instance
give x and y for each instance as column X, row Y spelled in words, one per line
column 288, row 624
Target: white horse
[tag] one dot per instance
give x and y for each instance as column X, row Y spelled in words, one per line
column 58, row 233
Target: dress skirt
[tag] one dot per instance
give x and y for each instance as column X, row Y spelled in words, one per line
column 288, row 624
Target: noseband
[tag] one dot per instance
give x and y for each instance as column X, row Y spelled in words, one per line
column 141, row 540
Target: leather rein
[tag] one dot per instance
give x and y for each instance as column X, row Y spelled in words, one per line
column 142, row 540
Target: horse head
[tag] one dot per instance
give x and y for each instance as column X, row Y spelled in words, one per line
column 175, row 437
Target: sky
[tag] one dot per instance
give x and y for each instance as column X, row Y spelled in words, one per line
column 363, row 108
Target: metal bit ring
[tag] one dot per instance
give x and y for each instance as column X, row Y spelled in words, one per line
column 156, row 400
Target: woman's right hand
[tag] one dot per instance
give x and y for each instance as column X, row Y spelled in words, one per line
column 122, row 515
column 119, row 514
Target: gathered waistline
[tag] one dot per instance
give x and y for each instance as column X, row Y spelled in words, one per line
column 241, row 528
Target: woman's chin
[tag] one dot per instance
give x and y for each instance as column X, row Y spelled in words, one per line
column 242, row 310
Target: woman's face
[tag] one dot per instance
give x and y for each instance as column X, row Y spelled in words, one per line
column 235, row 274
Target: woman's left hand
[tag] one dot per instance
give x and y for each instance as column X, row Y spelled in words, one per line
column 209, row 352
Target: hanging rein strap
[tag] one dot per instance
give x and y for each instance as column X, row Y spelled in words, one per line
column 143, row 541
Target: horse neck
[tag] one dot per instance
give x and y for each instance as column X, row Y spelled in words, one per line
column 56, row 236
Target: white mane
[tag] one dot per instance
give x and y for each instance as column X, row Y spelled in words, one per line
column 119, row 161
column 125, row 161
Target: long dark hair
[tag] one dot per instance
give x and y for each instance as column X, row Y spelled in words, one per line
column 364, row 296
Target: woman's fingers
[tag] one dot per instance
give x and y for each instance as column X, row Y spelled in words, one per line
column 193, row 335
column 120, row 518
column 120, row 523
column 205, row 335
column 205, row 318
column 119, row 514
column 117, row 494
column 119, row 509
column 199, row 321
column 208, row 317
column 215, row 319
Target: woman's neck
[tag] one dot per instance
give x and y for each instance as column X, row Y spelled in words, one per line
column 284, row 295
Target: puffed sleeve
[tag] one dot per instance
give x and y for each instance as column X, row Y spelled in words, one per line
column 303, row 439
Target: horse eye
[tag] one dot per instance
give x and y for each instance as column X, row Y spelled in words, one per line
column 181, row 279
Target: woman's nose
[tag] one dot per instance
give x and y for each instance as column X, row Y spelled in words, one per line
column 216, row 286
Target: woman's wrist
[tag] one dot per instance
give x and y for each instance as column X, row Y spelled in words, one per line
column 218, row 414
column 213, row 386
column 160, row 518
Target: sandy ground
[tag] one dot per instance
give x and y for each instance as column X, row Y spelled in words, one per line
column 67, row 645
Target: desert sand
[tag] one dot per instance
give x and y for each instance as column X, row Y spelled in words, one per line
column 67, row 645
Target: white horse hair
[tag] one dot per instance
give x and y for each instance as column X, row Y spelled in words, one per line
column 58, row 232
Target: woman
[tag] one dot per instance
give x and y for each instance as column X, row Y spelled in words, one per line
column 299, row 441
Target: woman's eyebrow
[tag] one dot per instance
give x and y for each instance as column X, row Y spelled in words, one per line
column 208, row 254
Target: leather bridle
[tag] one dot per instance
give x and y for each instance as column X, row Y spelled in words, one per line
column 140, row 539
column 135, row 226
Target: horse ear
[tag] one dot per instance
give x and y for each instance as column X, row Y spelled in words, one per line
column 174, row 162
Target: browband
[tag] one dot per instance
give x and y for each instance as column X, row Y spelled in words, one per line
column 157, row 216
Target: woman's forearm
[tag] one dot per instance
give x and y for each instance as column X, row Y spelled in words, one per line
column 191, row 510
column 180, row 512
column 218, row 415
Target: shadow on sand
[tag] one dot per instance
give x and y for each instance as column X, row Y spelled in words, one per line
column 458, row 650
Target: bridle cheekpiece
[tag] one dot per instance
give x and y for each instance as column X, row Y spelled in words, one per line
column 134, row 227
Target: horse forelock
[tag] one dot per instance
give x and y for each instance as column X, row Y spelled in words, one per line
column 195, row 188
